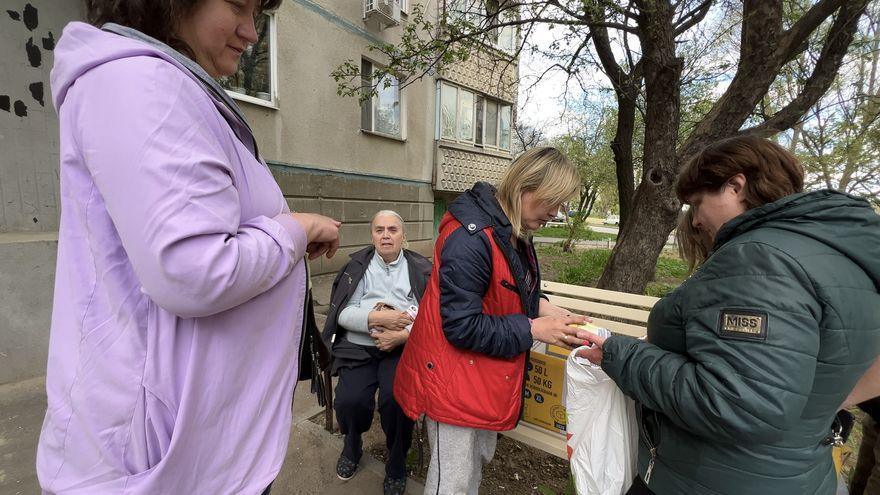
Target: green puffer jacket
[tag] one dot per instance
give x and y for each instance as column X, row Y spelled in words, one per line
column 747, row 361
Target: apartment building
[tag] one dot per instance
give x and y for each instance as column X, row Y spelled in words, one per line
column 411, row 148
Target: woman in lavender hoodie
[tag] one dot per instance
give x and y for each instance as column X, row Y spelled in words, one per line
column 181, row 277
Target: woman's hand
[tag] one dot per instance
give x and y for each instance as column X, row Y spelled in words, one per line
column 556, row 330
column 594, row 353
column 322, row 234
column 387, row 340
column 546, row 308
column 390, row 320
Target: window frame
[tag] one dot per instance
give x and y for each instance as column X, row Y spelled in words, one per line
column 493, row 36
column 479, row 100
column 273, row 70
column 373, row 101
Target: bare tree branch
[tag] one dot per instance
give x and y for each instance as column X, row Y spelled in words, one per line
column 792, row 41
column 839, row 38
column 693, row 17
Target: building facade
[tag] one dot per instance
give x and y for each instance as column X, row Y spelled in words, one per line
column 411, row 148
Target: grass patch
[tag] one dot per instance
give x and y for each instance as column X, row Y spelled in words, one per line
column 586, row 266
column 583, row 234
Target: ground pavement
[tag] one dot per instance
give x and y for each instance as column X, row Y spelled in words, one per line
column 310, row 465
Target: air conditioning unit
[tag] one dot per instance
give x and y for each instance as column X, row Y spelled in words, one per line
column 380, row 14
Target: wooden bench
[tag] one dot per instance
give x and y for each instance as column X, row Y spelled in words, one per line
column 622, row 313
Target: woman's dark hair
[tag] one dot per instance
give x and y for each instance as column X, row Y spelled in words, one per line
column 155, row 18
column 771, row 172
column 693, row 244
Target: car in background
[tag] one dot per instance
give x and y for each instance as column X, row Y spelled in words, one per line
column 612, row 220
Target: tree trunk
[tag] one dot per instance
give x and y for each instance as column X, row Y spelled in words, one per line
column 655, row 209
column 622, row 146
column 588, row 197
column 592, row 203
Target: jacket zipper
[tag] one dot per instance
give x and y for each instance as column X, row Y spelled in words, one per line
column 651, row 447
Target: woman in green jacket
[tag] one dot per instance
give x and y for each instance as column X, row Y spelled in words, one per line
column 747, row 362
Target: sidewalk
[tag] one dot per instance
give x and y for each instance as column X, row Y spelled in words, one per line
column 309, row 468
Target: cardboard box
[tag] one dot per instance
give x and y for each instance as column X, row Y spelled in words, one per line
column 542, row 405
column 558, row 351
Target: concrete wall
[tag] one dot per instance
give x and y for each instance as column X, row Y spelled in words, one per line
column 27, row 276
column 28, row 181
column 28, row 125
column 355, row 198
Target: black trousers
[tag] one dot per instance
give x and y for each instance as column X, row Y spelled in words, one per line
column 355, row 402
column 639, row 488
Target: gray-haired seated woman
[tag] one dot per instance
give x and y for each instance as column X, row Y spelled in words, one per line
column 372, row 305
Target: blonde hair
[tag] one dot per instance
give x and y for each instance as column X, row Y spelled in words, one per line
column 693, row 244
column 545, row 171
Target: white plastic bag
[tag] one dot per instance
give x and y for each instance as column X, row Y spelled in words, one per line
column 601, row 430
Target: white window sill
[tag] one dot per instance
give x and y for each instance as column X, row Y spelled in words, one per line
column 252, row 100
column 383, row 135
column 485, row 150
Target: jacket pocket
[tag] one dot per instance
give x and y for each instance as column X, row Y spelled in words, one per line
column 509, row 286
column 484, row 389
column 154, row 415
column 151, row 428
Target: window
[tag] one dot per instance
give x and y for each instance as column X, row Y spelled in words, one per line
column 467, row 117
column 464, row 10
column 506, row 38
column 474, row 12
column 448, row 110
column 478, row 118
column 382, row 113
column 490, row 131
column 504, row 128
column 256, row 78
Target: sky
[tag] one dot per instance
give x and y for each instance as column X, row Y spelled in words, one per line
column 541, row 105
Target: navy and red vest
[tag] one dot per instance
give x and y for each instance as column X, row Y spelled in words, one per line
column 453, row 385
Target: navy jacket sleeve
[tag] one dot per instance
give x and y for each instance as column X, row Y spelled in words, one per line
column 465, row 274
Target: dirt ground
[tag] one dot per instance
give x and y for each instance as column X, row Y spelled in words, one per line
column 516, row 469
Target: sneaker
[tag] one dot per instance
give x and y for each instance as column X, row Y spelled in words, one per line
column 394, row 486
column 345, row 468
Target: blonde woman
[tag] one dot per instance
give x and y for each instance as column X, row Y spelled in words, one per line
column 464, row 364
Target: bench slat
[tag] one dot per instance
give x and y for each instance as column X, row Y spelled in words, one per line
column 598, row 294
column 600, row 308
column 552, row 443
column 621, row 328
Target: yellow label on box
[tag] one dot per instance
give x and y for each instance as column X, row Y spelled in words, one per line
column 545, row 376
column 558, row 351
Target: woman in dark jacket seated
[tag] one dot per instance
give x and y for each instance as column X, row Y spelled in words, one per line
column 747, row 362
column 372, row 305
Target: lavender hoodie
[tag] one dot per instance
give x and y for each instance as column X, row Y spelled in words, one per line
column 179, row 285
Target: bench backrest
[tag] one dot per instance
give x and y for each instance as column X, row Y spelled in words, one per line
column 617, row 311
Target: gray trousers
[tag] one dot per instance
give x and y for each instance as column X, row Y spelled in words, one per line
column 457, row 458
